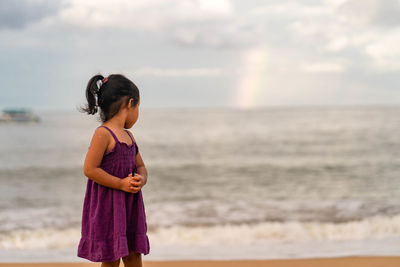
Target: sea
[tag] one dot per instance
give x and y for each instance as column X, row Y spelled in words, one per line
column 223, row 183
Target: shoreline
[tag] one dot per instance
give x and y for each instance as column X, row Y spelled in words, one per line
column 354, row 261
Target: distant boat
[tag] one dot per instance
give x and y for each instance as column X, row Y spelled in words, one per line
column 18, row 115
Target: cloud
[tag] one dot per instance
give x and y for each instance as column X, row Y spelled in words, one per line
column 190, row 22
column 366, row 28
column 355, row 12
column 312, row 48
column 144, row 14
column 318, row 67
column 385, row 51
column 371, row 12
column 290, row 9
column 16, row 14
column 173, row 72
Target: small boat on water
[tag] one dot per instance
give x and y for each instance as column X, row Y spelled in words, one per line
column 18, row 115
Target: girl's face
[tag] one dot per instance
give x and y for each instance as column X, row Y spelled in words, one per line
column 133, row 114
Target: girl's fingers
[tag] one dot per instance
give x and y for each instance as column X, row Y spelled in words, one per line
column 134, row 187
column 135, row 190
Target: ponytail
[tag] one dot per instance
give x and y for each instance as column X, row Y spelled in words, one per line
column 92, row 95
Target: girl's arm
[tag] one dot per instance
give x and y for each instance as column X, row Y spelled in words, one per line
column 91, row 167
column 140, row 167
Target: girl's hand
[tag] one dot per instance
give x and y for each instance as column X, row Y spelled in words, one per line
column 137, row 181
column 129, row 185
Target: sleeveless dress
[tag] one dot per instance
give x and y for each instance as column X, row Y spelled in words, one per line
column 113, row 221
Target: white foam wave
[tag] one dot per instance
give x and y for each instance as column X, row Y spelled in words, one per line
column 371, row 228
column 40, row 238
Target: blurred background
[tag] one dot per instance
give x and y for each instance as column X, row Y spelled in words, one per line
column 269, row 129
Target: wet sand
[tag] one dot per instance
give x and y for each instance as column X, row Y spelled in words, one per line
column 373, row 261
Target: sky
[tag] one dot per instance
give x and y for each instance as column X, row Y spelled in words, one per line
column 202, row 53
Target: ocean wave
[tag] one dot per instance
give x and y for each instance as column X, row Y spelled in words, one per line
column 370, row 228
column 377, row 227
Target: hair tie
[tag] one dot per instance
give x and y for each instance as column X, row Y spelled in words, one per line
column 101, row 82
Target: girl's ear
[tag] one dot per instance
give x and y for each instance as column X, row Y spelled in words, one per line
column 131, row 102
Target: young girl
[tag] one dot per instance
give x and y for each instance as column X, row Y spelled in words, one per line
column 113, row 218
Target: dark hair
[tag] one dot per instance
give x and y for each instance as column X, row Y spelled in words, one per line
column 113, row 93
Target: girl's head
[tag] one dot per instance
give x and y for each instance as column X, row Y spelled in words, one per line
column 114, row 94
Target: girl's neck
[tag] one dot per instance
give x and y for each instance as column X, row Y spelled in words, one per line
column 116, row 122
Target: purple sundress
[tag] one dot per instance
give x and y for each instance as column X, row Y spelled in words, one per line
column 113, row 221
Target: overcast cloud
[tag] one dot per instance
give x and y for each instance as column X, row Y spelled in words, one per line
column 201, row 53
column 16, row 14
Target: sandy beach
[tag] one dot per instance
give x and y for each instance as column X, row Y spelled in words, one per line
column 320, row 262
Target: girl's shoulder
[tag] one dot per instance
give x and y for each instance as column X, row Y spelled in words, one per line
column 102, row 130
column 130, row 133
column 103, row 133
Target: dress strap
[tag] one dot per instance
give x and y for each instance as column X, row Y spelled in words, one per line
column 130, row 136
column 115, row 137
